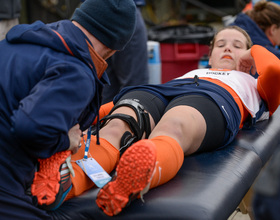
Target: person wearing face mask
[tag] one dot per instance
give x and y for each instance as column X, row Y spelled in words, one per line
column 52, row 77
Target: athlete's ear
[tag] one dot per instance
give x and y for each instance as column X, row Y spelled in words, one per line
column 271, row 32
column 273, row 28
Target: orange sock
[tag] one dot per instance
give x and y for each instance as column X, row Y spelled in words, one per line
column 105, row 154
column 104, row 110
column 170, row 157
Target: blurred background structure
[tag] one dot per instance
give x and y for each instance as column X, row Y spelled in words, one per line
column 156, row 12
column 47, row 10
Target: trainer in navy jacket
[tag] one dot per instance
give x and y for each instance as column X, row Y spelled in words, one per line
column 48, row 84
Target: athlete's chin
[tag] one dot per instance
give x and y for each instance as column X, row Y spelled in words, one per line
column 229, row 66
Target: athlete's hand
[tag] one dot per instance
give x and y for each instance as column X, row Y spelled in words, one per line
column 246, row 63
column 74, row 135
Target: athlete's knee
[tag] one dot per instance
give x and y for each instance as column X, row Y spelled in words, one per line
column 124, row 125
column 115, row 128
column 171, row 126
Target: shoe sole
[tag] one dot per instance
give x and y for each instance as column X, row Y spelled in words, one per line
column 134, row 173
column 46, row 183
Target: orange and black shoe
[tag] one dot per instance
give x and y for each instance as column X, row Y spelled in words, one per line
column 133, row 176
column 52, row 182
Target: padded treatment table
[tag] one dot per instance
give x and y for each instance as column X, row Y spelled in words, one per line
column 208, row 186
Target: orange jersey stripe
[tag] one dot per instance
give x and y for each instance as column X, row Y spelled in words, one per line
column 243, row 111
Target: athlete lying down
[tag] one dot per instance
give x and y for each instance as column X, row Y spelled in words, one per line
column 157, row 125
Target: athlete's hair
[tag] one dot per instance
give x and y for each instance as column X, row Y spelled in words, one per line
column 265, row 14
column 248, row 43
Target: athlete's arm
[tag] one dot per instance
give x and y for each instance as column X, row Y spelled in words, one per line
column 268, row 68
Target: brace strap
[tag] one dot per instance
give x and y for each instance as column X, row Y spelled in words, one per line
column 137, row 127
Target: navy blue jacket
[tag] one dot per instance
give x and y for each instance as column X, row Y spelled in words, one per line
column 257, row 35
column 44, row 91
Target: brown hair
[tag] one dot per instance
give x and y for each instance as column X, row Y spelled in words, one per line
column 265, row 14
column 248, row 43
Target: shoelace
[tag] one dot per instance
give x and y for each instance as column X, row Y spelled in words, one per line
column 69, row 165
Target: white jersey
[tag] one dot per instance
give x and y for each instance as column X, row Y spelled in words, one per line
column 243, row 84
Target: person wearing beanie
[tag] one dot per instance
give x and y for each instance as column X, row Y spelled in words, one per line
column 112, row 22
column 52, row 77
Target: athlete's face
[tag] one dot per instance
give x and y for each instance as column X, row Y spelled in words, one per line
column 229, row 45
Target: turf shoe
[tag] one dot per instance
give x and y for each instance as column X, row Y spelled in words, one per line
column 52, row 182
column 133, row 176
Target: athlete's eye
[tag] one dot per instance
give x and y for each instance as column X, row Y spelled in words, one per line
column 220, row 44
column 238, row 45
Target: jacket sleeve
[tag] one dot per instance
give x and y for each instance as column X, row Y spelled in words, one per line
column 268, row 68
column 52, row 107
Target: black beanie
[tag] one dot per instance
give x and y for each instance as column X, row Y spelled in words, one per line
column 111, row 21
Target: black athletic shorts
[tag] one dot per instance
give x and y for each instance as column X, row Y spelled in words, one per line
column 215, row 121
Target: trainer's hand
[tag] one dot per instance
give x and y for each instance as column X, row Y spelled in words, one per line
column 247, row 63
column 74, row 135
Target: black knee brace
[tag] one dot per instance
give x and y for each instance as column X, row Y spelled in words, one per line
column 137, row 127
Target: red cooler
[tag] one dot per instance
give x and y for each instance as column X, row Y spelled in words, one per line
column 181, row 47
column 178, row 58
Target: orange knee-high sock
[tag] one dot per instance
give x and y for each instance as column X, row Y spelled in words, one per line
column 170, row 157
column 104, row 110
column 105, row 154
